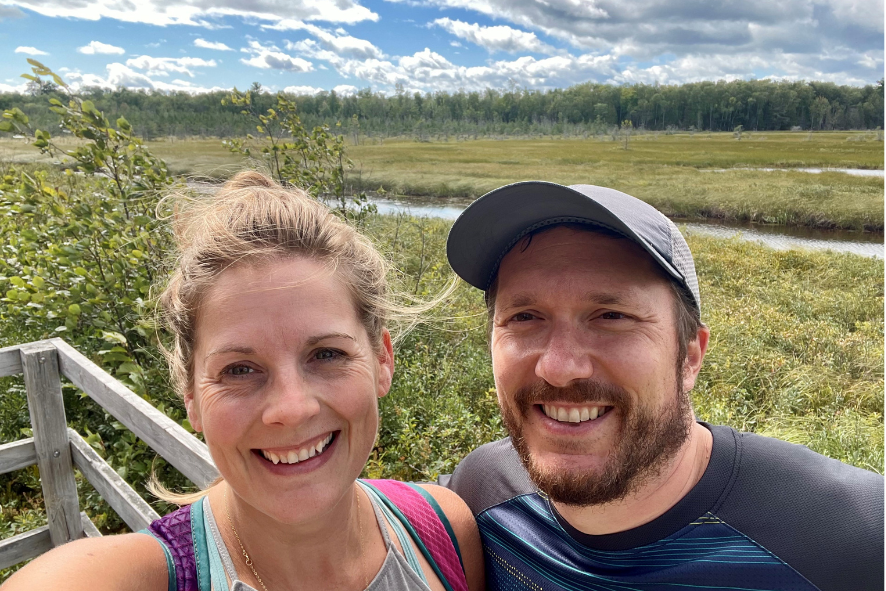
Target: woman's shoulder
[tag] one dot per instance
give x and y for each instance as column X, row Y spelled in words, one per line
column 465, row 529
column 131, row 562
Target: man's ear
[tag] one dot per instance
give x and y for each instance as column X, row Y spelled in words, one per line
column 385, row 364
column 695, row 352
column 193, row 411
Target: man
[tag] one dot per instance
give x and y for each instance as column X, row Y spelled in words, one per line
column 607, row 481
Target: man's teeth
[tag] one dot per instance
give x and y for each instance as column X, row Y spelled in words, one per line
column 573, row 414
column 295, row 456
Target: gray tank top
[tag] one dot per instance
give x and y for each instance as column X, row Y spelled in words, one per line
column 395, row 574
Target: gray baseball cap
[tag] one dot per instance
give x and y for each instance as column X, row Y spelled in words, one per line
column 487, row 230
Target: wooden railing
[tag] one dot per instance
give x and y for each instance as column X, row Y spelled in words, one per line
column 56, row 449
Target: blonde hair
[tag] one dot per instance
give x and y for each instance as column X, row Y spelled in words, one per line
column 253, row 220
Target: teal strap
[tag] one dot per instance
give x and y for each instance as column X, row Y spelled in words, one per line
column 401, row 534
column 441, row 515
column 170, row 564
column 216, row 568
column 386, row 502
column 201, row 551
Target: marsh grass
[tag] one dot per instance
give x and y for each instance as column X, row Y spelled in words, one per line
column 672, row 172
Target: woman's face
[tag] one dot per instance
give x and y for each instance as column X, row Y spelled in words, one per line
column 286, row 386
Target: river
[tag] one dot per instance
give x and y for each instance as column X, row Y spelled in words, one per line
column 779, row 237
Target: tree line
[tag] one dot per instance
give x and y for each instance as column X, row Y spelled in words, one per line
column 589, row 108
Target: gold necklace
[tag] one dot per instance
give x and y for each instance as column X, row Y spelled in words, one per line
column 242, row 549
column 252, row 566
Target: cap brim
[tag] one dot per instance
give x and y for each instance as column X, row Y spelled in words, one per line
column 491, row 225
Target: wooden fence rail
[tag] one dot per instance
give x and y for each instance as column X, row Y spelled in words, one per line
column 56, row 449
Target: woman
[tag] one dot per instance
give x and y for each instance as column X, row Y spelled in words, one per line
column 280, row 352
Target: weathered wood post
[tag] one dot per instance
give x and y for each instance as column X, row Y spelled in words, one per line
column 47, row 409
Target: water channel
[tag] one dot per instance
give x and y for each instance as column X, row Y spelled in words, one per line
column 778, row 237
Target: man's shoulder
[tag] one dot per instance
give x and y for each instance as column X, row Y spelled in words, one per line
column 799, row 471
column 490, row 475
column 811, row 511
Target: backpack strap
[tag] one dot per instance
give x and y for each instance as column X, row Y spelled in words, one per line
column 185, row 552
column 429, row 528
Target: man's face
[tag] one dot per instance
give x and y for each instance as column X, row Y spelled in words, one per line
column 584, row 351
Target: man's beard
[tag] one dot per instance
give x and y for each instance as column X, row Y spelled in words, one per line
column 647, row 439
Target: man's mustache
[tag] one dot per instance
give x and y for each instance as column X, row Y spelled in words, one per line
column 589, row 392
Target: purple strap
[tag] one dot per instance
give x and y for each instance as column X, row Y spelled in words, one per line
column 175, row 531
column 429, row 528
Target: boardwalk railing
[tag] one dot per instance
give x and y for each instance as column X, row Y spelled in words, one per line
column 56, row 449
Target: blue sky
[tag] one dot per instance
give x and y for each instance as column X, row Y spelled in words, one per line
column 428, row 45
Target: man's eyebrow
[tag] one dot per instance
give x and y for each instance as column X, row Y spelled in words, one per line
column 605, row 299
column 331, row 335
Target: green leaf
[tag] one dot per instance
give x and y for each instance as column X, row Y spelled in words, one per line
column 113, row 337
column 74, row 310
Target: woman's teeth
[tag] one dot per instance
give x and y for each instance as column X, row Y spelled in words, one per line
column 574, row 414
column 295, row 456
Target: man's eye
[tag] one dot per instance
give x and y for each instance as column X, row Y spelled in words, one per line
column 522, row 317
column 612, row 316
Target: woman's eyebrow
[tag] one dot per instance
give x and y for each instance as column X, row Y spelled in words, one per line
column 231, row 349
column 331, row 335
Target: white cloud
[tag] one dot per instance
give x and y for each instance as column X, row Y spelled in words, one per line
column 97, row 47
column 310, row 90
column 272, row 58
column 10, row 88
column 201, row 12
column 217, row 45
column 339, row 42
column 163, row 66
column 498, row 38
column 29, row 50
column 345, row 89
column 121, row 75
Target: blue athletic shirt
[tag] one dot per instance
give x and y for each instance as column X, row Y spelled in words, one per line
column 766, row 515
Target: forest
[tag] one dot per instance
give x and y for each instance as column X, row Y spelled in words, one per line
column 580, row 110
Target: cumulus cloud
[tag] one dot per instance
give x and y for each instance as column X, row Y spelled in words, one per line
column 201, row 12
column 308, row 90
column 9, row 12
column 339, row 43
column 498, row 38
column 217, row 45
column 270, row 57
column 429, row 71
column 97, row 47
column 29, row 50
column 345, row 89
column 122, row 76
column 163, row 66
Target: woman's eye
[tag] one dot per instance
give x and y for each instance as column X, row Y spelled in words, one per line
column 327, row 354
column 239, row 370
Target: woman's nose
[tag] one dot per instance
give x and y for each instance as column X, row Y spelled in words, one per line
column 289, row 401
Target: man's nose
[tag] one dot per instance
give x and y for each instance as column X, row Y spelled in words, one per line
column 289, row 401
column 564, row 359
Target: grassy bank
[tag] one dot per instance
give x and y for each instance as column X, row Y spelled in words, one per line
column 672, row 172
